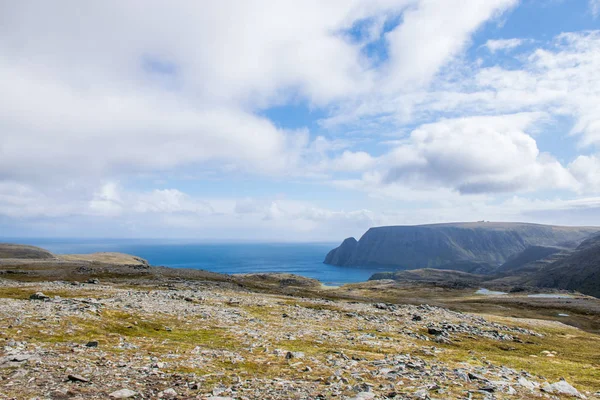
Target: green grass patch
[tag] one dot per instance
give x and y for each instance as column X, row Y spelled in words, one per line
column 577, row 359
column 155, row 334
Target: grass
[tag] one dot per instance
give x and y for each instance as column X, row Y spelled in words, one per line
column 23, row 293
column 156, row 335
column 577, row 360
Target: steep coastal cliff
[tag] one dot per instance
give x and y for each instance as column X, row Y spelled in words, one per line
column 451, row 246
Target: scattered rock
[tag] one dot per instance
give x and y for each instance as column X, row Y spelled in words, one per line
column 561, row 387
column 475, row 377
column 123, row 394
column 219, row 398
column 363, row 396
column 422, row 394
column 240, row 336
column 527, row 384
column 20, row 357
column 294, row 354
column 77, row 378
column 434, row 331
column 168, row 393
column 39, row 296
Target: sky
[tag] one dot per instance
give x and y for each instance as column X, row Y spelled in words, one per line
column 295, row 120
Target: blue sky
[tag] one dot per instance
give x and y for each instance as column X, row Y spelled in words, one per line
column 296, row 121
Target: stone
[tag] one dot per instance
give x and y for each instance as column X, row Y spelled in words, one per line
column 77, row 378
column 123, row 394
column 168, row 393
column 294, row 354
column 60, row 394
column 363, row 396
column 442, row 340
column 463, row 376
column 92, row 343
column 476, row 377
column 20, row 357
column 417, row 317
column 422, row 394
column 39, row 296
column 434, row 331
column 561, row 387
column 219, row 398
column 93, row 281
column 527, row 384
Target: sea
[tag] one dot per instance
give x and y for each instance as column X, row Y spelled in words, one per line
column 304, row 259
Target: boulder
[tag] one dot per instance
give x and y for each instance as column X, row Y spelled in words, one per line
column 39, row 296
column 561, row 387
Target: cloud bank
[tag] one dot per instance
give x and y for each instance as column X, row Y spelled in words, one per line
column 115, row 111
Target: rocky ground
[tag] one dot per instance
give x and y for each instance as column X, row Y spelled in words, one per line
column 219, row 340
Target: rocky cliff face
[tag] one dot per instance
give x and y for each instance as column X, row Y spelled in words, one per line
column 447, row 245
column 342, row 254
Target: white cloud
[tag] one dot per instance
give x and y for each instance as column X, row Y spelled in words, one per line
column 185, row 94
column 472, row 155
column 586, row 169
column 432, row 33
column 184, row 87
column 559, row 79
column 595, row 7
column 495, row 45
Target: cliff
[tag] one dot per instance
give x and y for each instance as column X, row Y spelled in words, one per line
column 451, row 246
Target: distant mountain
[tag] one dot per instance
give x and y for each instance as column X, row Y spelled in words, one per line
column 578, row 271
column 479, row 247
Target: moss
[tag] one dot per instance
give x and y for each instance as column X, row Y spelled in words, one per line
column 155, row 334
column 577, row 360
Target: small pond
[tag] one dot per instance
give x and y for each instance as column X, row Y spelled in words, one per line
column 550, row 296
column 488, row 292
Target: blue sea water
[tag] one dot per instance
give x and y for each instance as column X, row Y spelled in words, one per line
column 304, row 259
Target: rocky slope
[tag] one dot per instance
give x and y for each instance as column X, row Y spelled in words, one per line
column 451, row 246
column 154, row 332
column 198, row 340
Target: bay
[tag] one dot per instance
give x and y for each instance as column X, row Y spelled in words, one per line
column 304, row 259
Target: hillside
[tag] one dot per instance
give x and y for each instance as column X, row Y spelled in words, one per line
column 107, row 257
column 578, row 271
column 451, row 246
column 24, row 252
column 446, row 277
column 530, row 257
column 209, row 340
